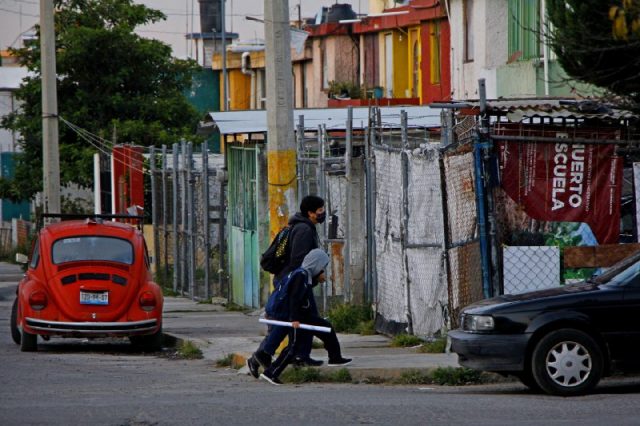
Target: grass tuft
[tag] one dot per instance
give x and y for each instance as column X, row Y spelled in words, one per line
column 188, row 350
column 437, row 346
column 310, row 374
column 406, row 341
column 347, row 318
column 444, row 376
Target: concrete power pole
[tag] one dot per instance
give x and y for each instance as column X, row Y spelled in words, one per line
column 281, row 148
column 50, row 151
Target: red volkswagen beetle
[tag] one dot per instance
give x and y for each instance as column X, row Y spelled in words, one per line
column 88, row 278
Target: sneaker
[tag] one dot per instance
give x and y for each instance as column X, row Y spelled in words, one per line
column 254, row 366
column 307, row 362
column 263, row 358
column 339, row 362
column 273, row 380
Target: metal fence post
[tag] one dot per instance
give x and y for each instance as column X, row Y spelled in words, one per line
column 482, row 218
column 176, row 258
column 205, row 219
column 300, row 164
column 348, row 153
column 404, row 161
column 154, row 208
column 190, row 222
column 165, row 231
column 368, row 201
column 184, row 273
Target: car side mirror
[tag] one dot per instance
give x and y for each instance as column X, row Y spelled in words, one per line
column 22, row 258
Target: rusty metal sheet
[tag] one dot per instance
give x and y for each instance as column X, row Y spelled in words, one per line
column 598, row 256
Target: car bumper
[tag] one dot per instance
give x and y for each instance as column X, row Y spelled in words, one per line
column 490, row 352
column 94, row 329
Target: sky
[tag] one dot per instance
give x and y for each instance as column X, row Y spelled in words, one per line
column 18, row 16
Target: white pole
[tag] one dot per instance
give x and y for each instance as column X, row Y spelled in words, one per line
column 303, row 326
column 50, row 151
column 97, row 189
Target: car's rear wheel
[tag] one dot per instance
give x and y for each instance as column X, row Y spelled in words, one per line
column 28, row 342
column 15, row 333
column 149, row 343
column 567, row 362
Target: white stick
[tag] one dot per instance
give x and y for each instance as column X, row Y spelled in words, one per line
column 303, row 326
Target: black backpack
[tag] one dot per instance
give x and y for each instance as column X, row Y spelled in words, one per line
column 275, row 258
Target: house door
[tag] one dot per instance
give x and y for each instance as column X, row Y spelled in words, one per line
column 243, row 234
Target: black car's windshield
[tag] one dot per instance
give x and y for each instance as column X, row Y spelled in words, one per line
column 621, row 272
column 74, row 249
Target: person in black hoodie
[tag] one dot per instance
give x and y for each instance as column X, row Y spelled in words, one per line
column 303, row 238
column 302, row 309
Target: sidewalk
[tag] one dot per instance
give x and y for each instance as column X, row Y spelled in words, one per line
column 218, row 333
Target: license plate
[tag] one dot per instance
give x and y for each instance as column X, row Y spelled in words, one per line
column 94, row 297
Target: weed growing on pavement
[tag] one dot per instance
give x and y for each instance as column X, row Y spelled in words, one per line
column 188, row 350
column 367, row 328
column 444, row 376
column 233, row 307
column 456, row 376
column 225, row 361
column 300, row 375
column 437, row 346
column 347, row 318
column 406, row 341
column 310, row 374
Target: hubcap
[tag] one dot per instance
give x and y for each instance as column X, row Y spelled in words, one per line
column 568, row 364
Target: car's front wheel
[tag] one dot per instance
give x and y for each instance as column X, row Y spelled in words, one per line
column 567, row 362
column 28, row 342
column 15, row 333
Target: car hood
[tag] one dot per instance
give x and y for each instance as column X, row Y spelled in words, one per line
column 578, row 288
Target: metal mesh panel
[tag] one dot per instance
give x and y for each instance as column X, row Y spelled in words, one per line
column 529, row 268
column 425, row 224
column 461, row 201
column 392, row 296
column 466, row 278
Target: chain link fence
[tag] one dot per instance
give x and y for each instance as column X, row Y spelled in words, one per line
column 188, row 221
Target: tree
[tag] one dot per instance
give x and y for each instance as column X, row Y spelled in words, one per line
column 583, row 37
column 109, row 79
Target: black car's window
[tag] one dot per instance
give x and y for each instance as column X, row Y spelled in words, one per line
column 35, row 254
column 74, row 249
column 621, row 272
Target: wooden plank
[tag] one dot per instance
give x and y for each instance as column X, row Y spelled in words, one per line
column 598, row 256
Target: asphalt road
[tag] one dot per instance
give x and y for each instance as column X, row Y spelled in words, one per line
column 75, row 382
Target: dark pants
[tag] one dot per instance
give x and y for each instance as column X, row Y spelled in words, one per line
column 297, row 340
column 277, row 334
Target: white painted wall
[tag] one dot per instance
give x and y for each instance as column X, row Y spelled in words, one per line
column 10, row 80
column 490, row 47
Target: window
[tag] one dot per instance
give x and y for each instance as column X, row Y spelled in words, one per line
column 77, row 249
column 35, row 254
column 524, row 29
column 434, row 59
column 468, row 30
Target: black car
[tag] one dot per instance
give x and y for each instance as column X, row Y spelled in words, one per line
column 561, row 340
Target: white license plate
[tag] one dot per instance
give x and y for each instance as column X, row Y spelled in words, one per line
column 94, row 297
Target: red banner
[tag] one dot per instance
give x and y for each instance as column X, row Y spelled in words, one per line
column 565, row 182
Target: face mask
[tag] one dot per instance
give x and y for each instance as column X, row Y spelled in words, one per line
column 321, row 217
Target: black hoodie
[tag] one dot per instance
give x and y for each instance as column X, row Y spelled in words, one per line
column 303, row 238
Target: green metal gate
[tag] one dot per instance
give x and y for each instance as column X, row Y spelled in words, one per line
column 243, row 234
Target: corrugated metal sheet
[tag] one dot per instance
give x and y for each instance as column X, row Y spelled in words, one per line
column 255, row 121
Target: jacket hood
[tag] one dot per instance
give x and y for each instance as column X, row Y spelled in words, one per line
column 299, row 218
column 315, row 262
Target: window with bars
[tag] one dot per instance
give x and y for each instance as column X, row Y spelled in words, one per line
column 524, row 29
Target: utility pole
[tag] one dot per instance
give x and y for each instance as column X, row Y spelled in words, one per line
column 225, row 78
column 50, row 151
column 281, row 148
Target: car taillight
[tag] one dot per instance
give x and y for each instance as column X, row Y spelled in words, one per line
column 147, row 301
column 38, row 300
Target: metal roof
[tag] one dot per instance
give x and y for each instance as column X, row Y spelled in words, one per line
column 255, row 121
column 517, row 110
